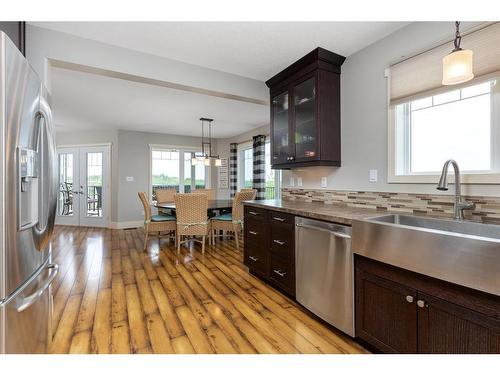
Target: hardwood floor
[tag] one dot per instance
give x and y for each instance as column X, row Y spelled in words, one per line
column 111, row 297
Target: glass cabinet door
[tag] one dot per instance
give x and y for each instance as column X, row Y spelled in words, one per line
column 304, row 101
column 280, row 128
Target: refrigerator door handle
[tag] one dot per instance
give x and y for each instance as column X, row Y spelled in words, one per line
column 26, row 302
column 48, row 177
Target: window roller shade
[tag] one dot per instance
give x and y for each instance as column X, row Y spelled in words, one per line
column 421, row 75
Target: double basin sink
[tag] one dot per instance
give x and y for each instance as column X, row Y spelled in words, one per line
column 461, row 252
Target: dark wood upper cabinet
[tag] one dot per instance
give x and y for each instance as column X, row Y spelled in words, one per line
column 305, row 112
column 16, row 31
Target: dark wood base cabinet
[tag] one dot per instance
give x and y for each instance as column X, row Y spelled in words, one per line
column 398, row 311
column 269, row 249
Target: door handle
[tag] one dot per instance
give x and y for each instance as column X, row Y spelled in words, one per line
column 48, row 181
column 30, row 300
column 279, row 242
column 333, row 233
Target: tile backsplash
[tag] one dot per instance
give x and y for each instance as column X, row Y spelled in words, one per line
column 487, row 208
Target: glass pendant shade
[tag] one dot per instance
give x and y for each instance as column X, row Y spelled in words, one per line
column 218, row 162
column 457, row 67
column 207, row 162
column 194, row 161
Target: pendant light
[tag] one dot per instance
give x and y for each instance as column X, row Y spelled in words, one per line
column 205, row 157
column 457, row 66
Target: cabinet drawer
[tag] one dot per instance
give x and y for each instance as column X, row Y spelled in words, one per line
column 281, row 217
column 282, row 273
column 255, row 212
column 256, row 258
column 282, row 241
column 255, row 231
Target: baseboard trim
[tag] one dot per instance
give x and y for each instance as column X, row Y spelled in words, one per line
column 126, row 224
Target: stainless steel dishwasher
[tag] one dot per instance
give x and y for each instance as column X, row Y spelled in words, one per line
column 325, row 271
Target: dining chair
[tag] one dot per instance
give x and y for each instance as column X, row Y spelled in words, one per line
column 156, row 223
column 209, row 192
column 165, row 196
column 192, row 220
column 231, row 222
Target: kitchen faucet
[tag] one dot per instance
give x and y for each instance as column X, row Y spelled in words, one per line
column 459, row 205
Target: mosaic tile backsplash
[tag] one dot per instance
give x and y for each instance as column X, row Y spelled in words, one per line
column 487, row 208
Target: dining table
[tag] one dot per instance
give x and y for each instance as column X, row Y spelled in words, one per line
column 213, row 205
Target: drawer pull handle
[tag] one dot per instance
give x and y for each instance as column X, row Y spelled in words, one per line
column 255, row 259
column 278, row 218
column 252, row 232
column 279, row 242
column 409, row 299
column 279, row 273
column 253, row 213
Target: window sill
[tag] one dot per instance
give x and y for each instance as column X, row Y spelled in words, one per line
column 486, row 178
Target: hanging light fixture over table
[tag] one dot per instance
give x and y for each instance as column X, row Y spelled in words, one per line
column 457, row 66
column 205, row 157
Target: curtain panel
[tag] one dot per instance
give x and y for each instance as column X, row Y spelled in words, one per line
column 259, row 166
column 233, row 169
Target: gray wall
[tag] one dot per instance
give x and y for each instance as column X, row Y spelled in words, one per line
column 364, row 115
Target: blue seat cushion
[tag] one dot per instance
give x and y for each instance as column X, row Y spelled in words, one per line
column 162, row 218
column 225, row 217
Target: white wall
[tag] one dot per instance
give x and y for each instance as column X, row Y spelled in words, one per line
column 364, row 115
column 42, row 44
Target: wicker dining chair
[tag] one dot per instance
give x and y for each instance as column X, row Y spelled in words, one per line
column 209, row 192
column 232, row 222
column 191, row 210
column 165, row 196
column 156, row 223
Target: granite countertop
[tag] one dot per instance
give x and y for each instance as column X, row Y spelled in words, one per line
column 337, row 213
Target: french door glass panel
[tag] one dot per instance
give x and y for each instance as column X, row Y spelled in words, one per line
column 280, row 128
column 94, row 184
column 304, row 96
column 66, row 181
column 83, row 186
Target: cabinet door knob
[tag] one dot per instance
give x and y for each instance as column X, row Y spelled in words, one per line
column 255, row 259
column 252, row 232
column 421, row 303
column 279, row 273
column 292, row 157
column 409, row 299
column 279, row 242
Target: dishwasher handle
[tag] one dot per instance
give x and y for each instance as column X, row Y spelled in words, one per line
column 331, row 232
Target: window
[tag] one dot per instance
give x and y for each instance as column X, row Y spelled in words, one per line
column 460, row 124
column 273, row 177
column 173, row 169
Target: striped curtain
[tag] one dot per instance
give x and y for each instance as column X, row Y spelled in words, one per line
column 233, row 168
column 259, row 166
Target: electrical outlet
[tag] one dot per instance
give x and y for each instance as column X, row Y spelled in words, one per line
column 129, row 179
column 324, row 182
column 292, row 181
column 299, row 181
column 373, row 175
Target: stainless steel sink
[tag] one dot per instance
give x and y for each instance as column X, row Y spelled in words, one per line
column 453, row 226
column 461, row 252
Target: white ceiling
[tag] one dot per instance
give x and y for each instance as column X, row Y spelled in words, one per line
column 83, row 101
column 254, row 49
column 251, row 49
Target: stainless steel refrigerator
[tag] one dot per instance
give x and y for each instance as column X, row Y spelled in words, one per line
column 28, row 195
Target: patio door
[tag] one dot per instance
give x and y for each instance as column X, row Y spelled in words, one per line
column 84, row 180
